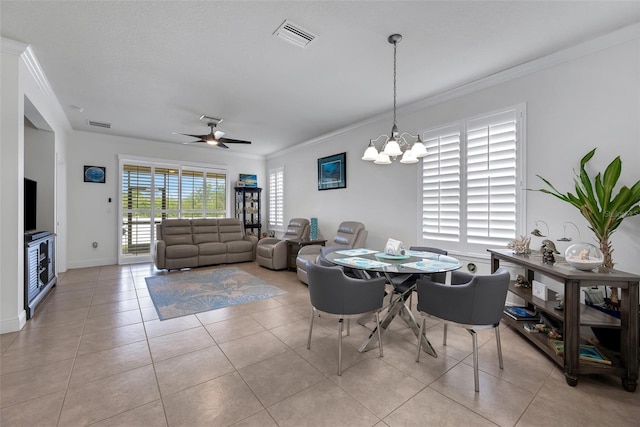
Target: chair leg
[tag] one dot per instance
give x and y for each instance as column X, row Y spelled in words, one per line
column 313, row 314
column 339, row 347
column 420, row 339
column 379, row 333
column 444, row 336
column 499, row 346
column 348, row 327
column 476, row 375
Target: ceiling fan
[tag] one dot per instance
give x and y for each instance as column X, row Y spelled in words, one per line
column 214, row 137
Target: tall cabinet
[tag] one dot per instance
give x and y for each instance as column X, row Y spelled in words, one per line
column 248, row 209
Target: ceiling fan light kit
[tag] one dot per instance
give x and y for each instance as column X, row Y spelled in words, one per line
column 397, row 144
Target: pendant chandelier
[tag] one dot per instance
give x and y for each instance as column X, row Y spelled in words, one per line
column 397, row 144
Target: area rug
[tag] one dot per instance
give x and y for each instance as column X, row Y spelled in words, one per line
column 189, row 292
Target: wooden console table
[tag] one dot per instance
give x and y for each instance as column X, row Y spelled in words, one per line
column 576, row 314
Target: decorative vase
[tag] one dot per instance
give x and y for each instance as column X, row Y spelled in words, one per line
column 313, row 230
column 583, row 256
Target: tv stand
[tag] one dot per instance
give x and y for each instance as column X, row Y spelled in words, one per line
column 39, row 268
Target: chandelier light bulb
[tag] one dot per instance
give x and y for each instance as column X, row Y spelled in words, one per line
column 370, row 153
column 392, row 149
column 408, row 157
column 418, row 149
column 382, row 159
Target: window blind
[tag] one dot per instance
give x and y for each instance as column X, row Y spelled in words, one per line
column 276, row 198
column 470, row 192
column 441, row 177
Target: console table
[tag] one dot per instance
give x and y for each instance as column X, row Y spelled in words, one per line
column 576, row 314
column 293, row 247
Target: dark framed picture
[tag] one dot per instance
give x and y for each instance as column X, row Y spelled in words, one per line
column 95, row 174
column 332, row 172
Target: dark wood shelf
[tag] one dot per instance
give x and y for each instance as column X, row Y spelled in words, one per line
column 577, row 315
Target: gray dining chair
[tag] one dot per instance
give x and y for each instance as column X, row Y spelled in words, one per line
column 474, row 305
column 342, row 297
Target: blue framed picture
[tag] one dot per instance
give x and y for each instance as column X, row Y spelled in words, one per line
column 332, row 172
column 95, row 174
column 249, row 180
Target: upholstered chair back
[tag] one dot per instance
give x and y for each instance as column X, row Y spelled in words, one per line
column 351, row 234
column 298, row 229
column 205, row 230
column 176, row 232
column 230, row 229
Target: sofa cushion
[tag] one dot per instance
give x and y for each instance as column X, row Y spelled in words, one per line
column 181, row 251
column 230, row 229
column 240, row 246
column 177, row 232
column 205, row 230
column 212, row 248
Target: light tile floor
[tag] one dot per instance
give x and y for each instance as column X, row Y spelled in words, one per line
column 96, row 354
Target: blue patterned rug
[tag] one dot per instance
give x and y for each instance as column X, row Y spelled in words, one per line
column 189, row 292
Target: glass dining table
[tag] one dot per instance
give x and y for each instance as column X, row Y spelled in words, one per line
column 367, row 263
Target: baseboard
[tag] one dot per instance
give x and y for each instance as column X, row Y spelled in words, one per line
column 92, row 263
column 13, row 325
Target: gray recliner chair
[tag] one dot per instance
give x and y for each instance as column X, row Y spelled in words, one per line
column 342, row 297
column 272, row 253
column 476, row 304
column 351, row 234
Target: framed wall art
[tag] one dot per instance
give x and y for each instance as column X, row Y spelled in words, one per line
column 249, row 180
column 95, row 174
column 332, row 172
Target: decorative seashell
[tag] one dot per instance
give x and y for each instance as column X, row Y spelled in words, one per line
column 550, row 246
column 537, row 233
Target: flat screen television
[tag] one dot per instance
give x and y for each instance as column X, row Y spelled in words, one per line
column 30, row 204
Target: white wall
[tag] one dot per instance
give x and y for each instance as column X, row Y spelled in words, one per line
column 94, row 219
column 589, row 101
column 22, row 79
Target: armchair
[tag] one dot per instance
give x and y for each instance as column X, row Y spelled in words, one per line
column 350, row 234
column 272, row 253
column 476, row 304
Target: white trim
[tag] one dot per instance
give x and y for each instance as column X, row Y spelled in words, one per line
column 588, row 47
column 12, row 47
column 15, row 324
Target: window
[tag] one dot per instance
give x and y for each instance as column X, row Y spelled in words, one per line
column 471, row 181
column 276, row 197
column 151, row 192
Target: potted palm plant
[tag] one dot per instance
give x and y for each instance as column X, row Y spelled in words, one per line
column 603, row 210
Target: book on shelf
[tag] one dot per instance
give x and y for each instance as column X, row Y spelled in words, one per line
column 587, row 353
column 520, row 313
column 531, row 328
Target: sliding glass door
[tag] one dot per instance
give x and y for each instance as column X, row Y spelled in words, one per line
column 151, row 192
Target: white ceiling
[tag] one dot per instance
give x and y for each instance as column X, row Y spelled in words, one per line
column 153, row 68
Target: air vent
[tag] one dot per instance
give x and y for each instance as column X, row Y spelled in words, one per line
column 292, row 33
column 99, row 124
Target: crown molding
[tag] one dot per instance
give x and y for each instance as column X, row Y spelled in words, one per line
column 623, row 35
column 12, row 47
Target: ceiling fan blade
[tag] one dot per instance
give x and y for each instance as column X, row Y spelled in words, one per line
column 194, row 142
column 192, row 136
column 218, row 134
column 233, row 141
column 221, row 145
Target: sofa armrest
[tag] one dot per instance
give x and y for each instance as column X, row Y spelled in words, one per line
column 268, row 241
column 159, row 255
column 310, row 250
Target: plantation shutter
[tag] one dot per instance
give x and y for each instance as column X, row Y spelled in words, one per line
column 276, row 198
column 491, row 179
column 136, row 208
column 216, row 195
column 441, row 185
